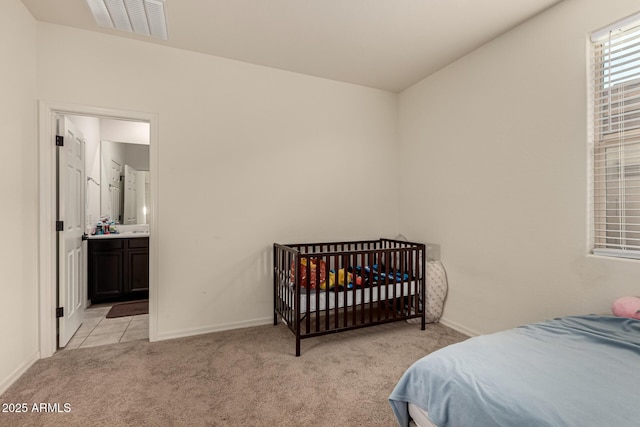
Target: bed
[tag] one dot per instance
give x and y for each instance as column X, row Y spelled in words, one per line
column 323, row 288
column 570, row 371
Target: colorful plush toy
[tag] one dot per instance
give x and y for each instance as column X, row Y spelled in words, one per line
column 313, row 268
column 627, row 307
column 341, row 273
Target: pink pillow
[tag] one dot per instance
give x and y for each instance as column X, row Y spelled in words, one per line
column 627, row 307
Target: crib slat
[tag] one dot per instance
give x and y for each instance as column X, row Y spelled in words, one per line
column 353, row 262
column 370, row 281
column 319, row 291
column 345, row 296
column 307, row 316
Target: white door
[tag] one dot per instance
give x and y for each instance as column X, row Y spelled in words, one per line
column 71, row 261
column 130, row 195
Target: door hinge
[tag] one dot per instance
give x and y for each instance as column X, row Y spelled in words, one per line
column 59, row 141
column 59, row 225
column 59, row 312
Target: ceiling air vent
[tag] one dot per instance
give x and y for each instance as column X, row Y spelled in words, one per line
column 146, row 17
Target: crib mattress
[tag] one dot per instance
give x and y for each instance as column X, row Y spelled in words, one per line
column 321, row 299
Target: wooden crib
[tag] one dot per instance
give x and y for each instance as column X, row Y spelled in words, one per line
column 323, row 288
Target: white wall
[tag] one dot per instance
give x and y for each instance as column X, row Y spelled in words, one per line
column 18, row 192
column 495, row 152
column 248, row 156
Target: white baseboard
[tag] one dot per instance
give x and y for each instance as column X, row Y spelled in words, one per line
column 18, row 372
column 460, row 328
column 214, row 328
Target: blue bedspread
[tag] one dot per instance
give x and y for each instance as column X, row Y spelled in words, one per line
column 571, row 371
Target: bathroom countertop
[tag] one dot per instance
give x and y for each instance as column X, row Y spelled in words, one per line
column 125, row 235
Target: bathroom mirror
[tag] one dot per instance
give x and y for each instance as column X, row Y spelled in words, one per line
column 124, row 194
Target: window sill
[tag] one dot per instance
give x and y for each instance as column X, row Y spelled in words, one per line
column 616, row 254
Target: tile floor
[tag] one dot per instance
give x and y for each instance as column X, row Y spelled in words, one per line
column 98, row 330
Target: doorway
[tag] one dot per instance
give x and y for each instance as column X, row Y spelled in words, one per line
column 48, row 192
column 114, row 272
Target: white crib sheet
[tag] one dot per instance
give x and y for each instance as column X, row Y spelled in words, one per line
column 320, row 298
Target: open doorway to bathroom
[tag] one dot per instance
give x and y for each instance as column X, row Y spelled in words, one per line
column 55, row 311
column 115, row 271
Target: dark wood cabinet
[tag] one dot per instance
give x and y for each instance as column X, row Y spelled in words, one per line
column 118, row 269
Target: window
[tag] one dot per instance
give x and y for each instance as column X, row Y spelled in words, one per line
column 616, row 140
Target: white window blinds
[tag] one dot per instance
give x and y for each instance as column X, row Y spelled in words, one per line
column 616, row 140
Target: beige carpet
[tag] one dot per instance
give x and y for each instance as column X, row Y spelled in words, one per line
column 246, row 377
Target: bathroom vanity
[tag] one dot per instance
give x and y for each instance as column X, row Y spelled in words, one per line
column 118, row 267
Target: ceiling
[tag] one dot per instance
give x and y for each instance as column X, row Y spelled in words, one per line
column 385, row 44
